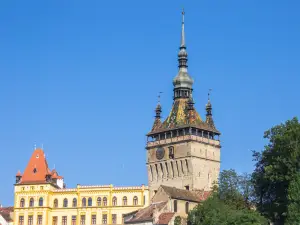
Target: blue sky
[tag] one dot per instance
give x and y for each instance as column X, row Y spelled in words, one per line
column 82, row 77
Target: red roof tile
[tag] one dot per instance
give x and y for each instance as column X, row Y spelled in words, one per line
column 165, row 218
column 37, row 168
column 146, row 214
column 5, row 212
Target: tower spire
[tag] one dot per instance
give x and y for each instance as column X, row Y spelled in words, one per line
column 182, row 82
column 182, row 55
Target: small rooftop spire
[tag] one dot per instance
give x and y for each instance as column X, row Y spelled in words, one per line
column 157, row 121
column 209, row 119
column 158, row 107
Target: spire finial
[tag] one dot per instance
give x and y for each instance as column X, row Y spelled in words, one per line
column 208, row 105
column 182, row 30
column 158, row 97
column 209, row 92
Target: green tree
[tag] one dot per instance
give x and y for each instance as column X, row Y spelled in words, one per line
column 229, row 204
column 276, row 176
column 215, row 211
column 177, row 220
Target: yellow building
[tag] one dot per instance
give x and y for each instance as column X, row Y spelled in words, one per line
column 41, row 198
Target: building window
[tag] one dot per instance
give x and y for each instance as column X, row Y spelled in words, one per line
column 30, row 220
column 114, row 201
column 55, row 203
column 73, row 220
column 98, row 201
column 104, row 219
column 135, row 200
column 42, row 188
column 144, row 200
column 82, row 220
column 105, row 201
column 90, row 201
column 186, row 207
column 114, row 218
column 40, row 220
column 175, row 205
column 22, row 203
column 124, row 200
column 83, row 202
column 93, row 219
column 65, row 203
column 31, row 202
column 54, row 220
column 64, row 220
column 74, row 203
column 41, row 201
column 21, row 220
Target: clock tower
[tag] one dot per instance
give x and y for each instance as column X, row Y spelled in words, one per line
column 183, row 151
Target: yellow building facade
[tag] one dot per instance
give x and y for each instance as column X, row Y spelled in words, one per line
column 43, row 201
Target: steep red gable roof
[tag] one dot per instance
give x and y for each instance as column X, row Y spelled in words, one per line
column 36, row 169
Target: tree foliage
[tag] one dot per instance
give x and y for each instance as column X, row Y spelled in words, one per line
column 177, row 220
column 276, row 176
column 229, row 204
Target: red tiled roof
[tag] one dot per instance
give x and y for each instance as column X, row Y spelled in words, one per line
column 165, row 218
column 204, row 195
column 146, row 214
column 5, row 213
column 36, row 169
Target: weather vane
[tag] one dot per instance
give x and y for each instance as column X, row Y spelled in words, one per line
column 209, row 92
column 159, row 95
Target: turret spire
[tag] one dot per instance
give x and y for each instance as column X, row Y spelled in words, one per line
column 209, row 119
column 157, row 121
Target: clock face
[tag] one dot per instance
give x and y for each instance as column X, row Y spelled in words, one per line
column 160, row 153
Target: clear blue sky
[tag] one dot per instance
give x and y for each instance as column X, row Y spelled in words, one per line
column 81, row 78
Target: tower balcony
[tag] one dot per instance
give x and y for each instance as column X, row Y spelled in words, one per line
column 183, row 135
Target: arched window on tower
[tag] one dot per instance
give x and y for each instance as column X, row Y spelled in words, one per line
column 74, row 203
column 105, row 201
column 55, row 203
column 90, row 201
column 22, row 203
column 114, row 201
column 41, row 201
column 83, row 203
column 135, row 200
column 98, row 201
column 65, row 203
column 31, row 202
column 124, row 200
